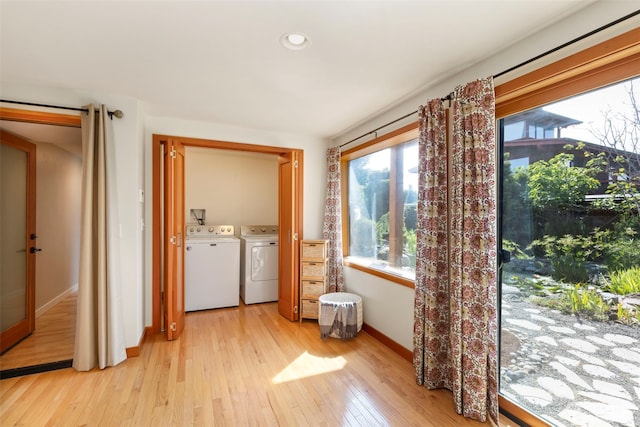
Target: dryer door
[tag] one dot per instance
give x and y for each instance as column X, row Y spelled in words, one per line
column 264, row 261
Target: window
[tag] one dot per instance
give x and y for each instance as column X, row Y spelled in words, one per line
column 381, row 196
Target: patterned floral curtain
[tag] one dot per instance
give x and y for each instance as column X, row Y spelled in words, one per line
column 455, row 324
column 332, row 227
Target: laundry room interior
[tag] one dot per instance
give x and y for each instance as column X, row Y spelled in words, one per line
column 228, row 192
column 234, row 187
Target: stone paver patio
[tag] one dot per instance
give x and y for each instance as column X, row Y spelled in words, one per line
column 572, row 372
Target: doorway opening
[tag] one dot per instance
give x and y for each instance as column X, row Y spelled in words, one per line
column 54, row 244
column 166, row 294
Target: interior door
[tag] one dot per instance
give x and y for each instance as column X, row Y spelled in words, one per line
column 290, row 226
column 17, row 239
column 174, row 298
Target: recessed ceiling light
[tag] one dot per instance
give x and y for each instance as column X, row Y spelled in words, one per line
column 294, row 41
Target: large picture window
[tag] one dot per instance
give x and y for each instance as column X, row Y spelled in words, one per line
column 381, row 195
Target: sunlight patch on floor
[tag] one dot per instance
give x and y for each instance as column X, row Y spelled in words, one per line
column 307, row 365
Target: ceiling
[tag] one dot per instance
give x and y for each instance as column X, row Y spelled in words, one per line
column 65, row 137
column 222, row 61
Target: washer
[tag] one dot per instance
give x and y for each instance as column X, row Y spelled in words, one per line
column 259, row 263
column 212, row 267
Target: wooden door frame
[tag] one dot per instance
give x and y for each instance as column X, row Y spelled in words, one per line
column 35, row 117
column 157, row 197
column 27, row 325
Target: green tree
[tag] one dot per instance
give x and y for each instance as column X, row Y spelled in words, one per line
column 516, row 205
column 557, row 185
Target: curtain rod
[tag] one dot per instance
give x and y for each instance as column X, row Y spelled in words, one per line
column 118, row 113
column 515, row 67
column 569, row 43
column 448, row 97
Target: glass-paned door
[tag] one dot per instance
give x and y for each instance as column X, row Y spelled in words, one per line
column 570, row 295
column 16, row 222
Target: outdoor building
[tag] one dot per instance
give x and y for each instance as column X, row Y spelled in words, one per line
column 537, row 134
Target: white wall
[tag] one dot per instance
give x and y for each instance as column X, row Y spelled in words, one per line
column 234, row 187
column 388, row 307
column 58, row 192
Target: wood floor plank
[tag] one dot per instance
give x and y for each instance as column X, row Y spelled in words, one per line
column 53, row 339
column 236, row 367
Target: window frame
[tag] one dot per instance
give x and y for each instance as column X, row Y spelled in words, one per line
column 603, row 64
column 388, row 140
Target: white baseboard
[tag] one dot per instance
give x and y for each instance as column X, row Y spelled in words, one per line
column 40, row 311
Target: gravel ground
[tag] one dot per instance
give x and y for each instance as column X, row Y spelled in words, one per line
column 571, row 371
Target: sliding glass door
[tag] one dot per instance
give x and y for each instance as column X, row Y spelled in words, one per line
column 570, row 294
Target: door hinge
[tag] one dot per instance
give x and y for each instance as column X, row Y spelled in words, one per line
column 173, row 240
column 295, row 309
column 295, row 163
column 173, row 326
column 172, row 153
column 295, row 236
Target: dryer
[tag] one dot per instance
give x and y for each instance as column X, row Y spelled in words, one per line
column 258, row 263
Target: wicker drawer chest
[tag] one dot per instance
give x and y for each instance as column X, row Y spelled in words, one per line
column 313, row 273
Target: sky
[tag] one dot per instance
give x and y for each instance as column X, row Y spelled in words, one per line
column 589, row 107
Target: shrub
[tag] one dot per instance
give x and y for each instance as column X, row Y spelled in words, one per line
column 624, row 282
column 410, row 242
column 622, row 253
column 585, row 301
column 569, row 269
column 514, row 248
column 568, row 255
column 626, row 316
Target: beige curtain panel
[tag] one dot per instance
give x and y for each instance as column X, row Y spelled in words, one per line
column 99, row 326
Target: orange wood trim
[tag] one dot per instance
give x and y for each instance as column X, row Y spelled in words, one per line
column 387, row 276
column 226, row 145
column 613, row 72
column 31, row 228
column 41, row 117
column 344, row 189
column 26, row 326
column 298, row 221
column 397, row 348
column 17, row 142
column 156, row 273
column 398, row 136
column 135, row 351
column 605, row 63
column 510, row 409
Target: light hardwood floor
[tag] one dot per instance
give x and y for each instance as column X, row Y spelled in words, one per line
column 52, row 341
column 236, row 367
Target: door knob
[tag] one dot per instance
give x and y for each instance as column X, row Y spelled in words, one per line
column 33, row 250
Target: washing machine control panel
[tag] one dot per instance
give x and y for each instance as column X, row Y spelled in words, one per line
column 258, row 230
column 196, row 230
